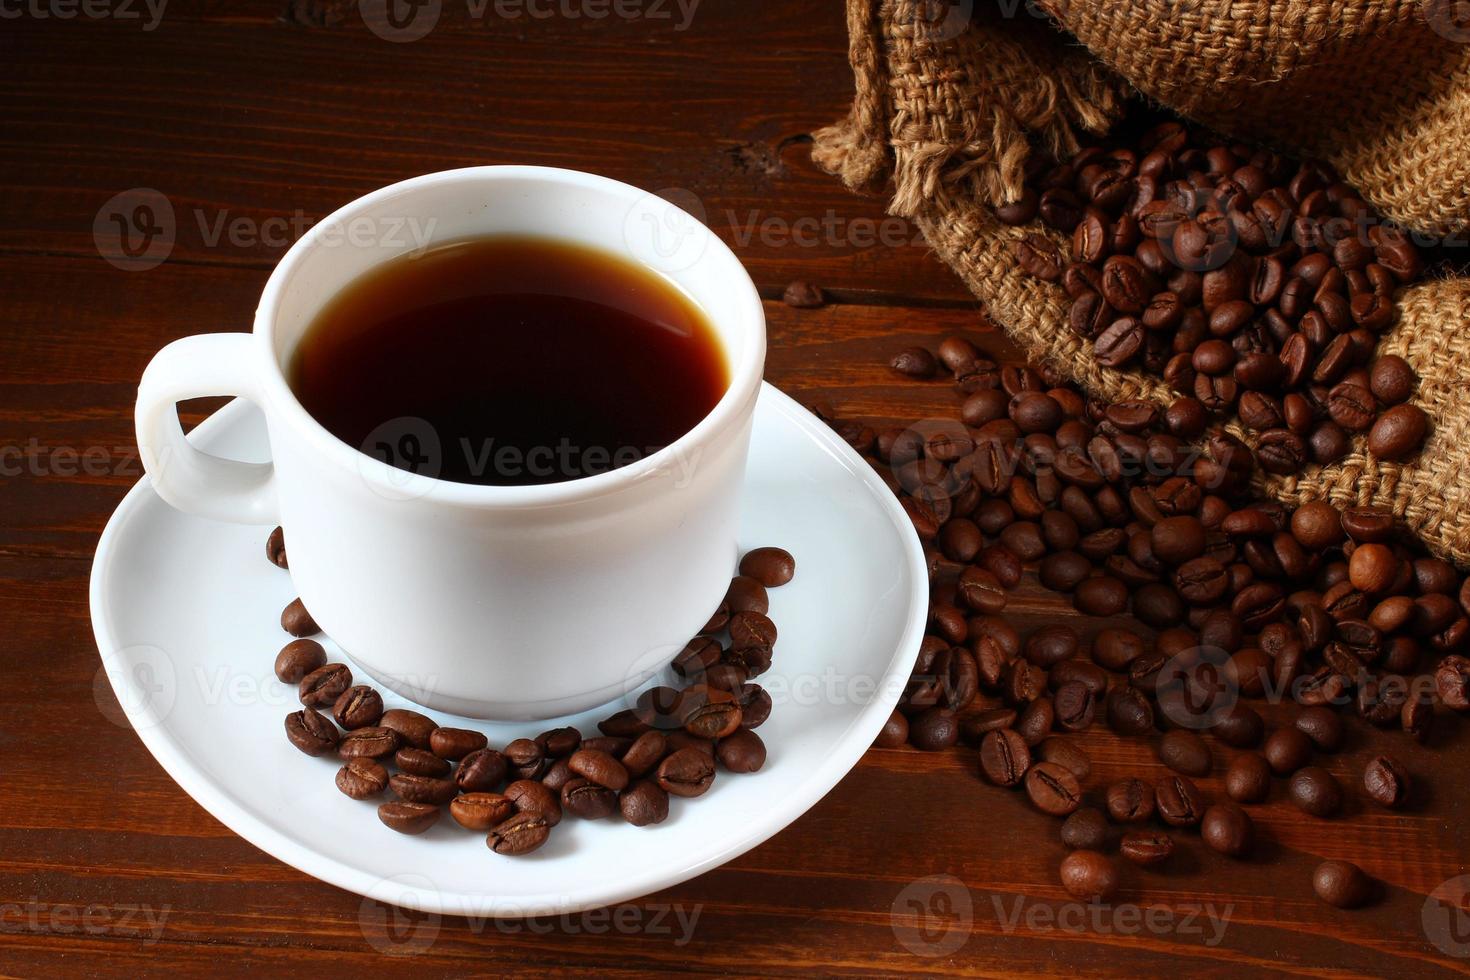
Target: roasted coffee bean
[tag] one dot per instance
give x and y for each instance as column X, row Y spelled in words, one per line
column 975, row 726
column 1323, row 726
column 1052, row 789
column 1241, row 727
column 299, row 658
column 275, row 549
column 1392, row 380
column 374, row 742
column 1129, row 710
column 1024, row 683
column 413, row 728
column 408, row 818
column 934, row 729
column 1372, row 568
column 1398, row 433
column 599, row 767
column 1367, row 524
column 1147, row 847
column 1052, row 644
column 297, row 621
column 526, row 759
column 1178, row 801
column 743, row 751
column 423, row 789
column 480, row 771
column 1066, row 754
column 1089, row 675
column 1089, row 876
column 1037, row 256
column 1352, row 407
column 420, row 763
column 801, row 295
column 521, row 834
column 1004, row 757
column 1228, row 829
column 1130, row 801
column 1386, row 781
column 686, row 772
column 322, row 687
column 751, row 629
column 1342, row 884
column 646, row 752
column 480, row 811
column 1417, row 718
column 1036, row 720
column 1248, row 778
column 698, row 655
column 747, row 595
column 558, row 743
column 1075, row 705
column 919, row 363
column 769, row 566
column 1287, row 750
column 358, row 707
column 311, row 732
column 1087, row 829
column 1315, row 791
column 1101, row 596
column 1115, row 648
column 895, row 732
column 1184, row 751
column 644, row 803
column 588, row 800
column 456, row 743
column 708, row 712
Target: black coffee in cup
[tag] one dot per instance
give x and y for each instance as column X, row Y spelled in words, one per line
column 509, row 360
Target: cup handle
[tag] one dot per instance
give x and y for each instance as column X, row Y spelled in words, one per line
column 187, row 478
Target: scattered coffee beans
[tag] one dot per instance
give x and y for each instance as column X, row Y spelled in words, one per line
column 1342, row 884
column 1089, row 876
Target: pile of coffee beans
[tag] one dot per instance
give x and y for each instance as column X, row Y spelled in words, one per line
column 670, row 743
column 1242, row 599
column 1255, row 285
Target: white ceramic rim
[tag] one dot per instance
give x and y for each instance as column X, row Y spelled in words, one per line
column 869, row 721
column 729, row 411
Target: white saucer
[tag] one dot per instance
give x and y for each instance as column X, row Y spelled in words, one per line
column 186, row 613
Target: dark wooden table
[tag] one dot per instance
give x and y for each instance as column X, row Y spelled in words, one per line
column 253, row 118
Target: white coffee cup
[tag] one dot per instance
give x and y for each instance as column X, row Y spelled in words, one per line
column 504, row 602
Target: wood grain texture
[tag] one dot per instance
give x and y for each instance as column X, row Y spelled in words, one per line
column 256, row 110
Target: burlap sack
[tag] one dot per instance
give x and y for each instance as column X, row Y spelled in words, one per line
column 950, row 100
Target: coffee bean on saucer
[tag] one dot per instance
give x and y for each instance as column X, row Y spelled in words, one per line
column 482, row 770
column 521, row 834
column 322, row 687
column 1248, row 778
column 1386, row 781
column 1089, row 876
column 297, row 621
column 408, row 818
column 530, row 796
column 717, row 619
column 558, row 776
column 1342, row 884
column 1315, row 791
column 771, row 567
column 1227, row 828
column 480, row 811
column 747, row 595
column 803, row 295
column 628, row 723
column 413, row 728
column 456, row 743
column 728, row 676
column 1184, row 751
column 613, row 745
column 646, row 752
column 1130, row 801
column 644, row 803
column 1287, row 750
column 1147, row 847
column 422, row 789
column 751, row 629
column 1087, row 829
column 420, row 763
column 1178, row 801
column 600, row 768
column 895, row 732
column 362, row 779
column 358, row 707
column 558, row 743
column 698, row 655
column 686, row 772
column 588, row 800
column 299, row 658
column 311, row 732
column 275, row 548
column 755, row 705
column 1323, row 726
column 374, row 742
column 527, row 760
column 708, row 712
column 1004, row 757
column 1053, row 789
column 743, row 751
